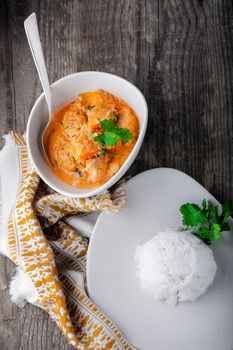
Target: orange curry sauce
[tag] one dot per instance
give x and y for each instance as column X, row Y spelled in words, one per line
column 75, row 157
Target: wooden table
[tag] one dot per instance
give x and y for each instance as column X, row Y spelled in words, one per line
column 178, row 52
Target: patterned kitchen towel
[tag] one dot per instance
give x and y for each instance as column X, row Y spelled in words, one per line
column 49, row 253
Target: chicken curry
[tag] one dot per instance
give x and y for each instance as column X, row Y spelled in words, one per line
column 90, row 138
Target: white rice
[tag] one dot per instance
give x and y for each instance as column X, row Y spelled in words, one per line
column 175, row 266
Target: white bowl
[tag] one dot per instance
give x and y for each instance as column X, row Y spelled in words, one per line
column 66, row 90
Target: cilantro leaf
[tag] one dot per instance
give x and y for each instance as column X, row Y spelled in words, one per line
column 108, row 125
column 125, row 135
column 216, row 232
column 226, row 211
column 112, row 133
column 192, row 214
column 224, row 226
column 205, row 222
column 107, row 139
column 204, row 204
column 204, row 234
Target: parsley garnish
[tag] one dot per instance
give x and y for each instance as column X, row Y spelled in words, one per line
column 90, row 107
column 112, row 133
column 205, row 222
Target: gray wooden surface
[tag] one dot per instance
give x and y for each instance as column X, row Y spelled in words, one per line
column 178, row 52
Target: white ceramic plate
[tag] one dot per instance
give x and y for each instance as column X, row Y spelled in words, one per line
column 154, row 198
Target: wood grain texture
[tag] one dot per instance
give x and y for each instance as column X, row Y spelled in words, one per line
column 178, row 52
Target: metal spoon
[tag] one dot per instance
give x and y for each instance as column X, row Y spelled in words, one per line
column 32, row 32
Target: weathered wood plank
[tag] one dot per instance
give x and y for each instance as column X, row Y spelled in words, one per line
column 178, row 52
column 191, row 93
column 7, row 110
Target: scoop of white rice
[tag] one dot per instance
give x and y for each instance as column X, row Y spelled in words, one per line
column 175, row 266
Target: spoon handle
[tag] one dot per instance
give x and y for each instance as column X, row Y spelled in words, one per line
column 32, row 32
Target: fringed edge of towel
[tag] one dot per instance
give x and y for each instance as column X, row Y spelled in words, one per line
column 113, row 200
column 118, row 195
column 15, row 288
column 8, row 139
column 22, row 290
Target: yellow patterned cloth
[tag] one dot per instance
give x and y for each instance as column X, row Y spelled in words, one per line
column 46, row 248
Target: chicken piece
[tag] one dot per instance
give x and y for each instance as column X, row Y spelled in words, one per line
column 93, row 98
column 113, row 169
column 84, row 147
column 88, row 99
column 73, row 121
column 65, row 159
column 127, row 119
column 98, row 105
column 97, row 168
column 98, row 113
column 83, row 151
column 63, row 154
